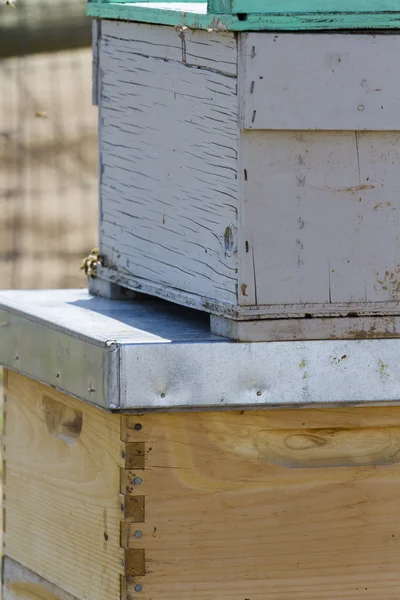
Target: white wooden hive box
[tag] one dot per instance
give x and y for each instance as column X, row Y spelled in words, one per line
column 253, row 175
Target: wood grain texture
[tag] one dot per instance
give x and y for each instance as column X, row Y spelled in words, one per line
column 168, row 141
column 234, row 504
column 62, row 504
column 232, row 522
column 19, row 583
column 331, row 82
column 194, row 15
column 319, row 216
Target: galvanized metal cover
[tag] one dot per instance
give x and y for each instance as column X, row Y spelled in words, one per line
column 142, row 355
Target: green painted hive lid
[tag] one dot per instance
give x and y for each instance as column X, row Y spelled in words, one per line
column 256, row 15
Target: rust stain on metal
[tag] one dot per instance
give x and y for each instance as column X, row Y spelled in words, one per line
column 379, row 204
column 356, row 188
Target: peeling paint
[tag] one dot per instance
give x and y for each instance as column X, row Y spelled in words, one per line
column 216, row 25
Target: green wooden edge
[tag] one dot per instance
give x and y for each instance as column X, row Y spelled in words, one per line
column 301, row 6
column 288, row 22
column 148, row 1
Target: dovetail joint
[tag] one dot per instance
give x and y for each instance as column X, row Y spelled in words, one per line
column 132, row 513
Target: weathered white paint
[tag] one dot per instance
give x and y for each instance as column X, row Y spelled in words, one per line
column 317, row 328
column 193, row 48
column 275, row 220
column 314, row 81
column 96, row 33
column 320, row 211
column 168, row 143
column 244, row 312
column 111, row 291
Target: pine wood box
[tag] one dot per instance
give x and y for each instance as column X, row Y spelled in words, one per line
column 251, row 174
column 168, row 506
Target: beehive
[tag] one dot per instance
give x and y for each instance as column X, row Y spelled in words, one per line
column 123, row 478
column 251, row 173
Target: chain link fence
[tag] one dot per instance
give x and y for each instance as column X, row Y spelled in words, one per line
column 48, row 144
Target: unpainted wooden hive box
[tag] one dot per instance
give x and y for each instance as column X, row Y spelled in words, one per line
column 252, row 174
column 203, row 505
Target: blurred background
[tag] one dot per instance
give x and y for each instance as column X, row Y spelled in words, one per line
column 48, row 144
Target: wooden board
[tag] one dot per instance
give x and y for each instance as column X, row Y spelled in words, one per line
column 258, row 504
column 20, row 583
column 330, row 82
column 319, row 220
column 269, row 504
column 62, row 504
column 62, row 471
column 195, row 16
column 169, row 167
column 193, row 49
column 151, row 1
column 317, row 328
column 303, row 6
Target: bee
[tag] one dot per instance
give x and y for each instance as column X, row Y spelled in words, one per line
column 89, row 264
column 9, row 3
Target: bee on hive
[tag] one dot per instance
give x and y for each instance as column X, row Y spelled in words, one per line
column 89, row 264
